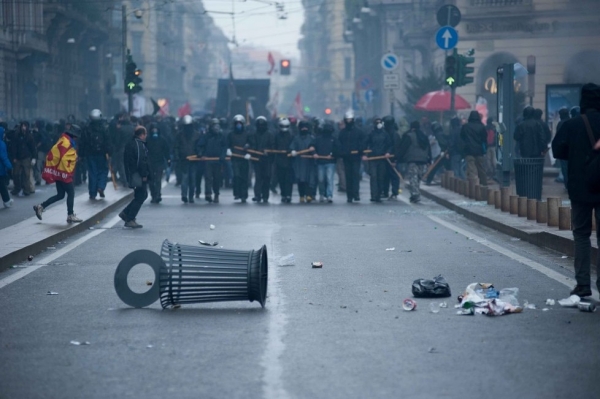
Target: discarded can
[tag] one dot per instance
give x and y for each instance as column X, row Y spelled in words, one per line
column 586, row 307
column 408, row 304
column 317, row 265
column 30, row 258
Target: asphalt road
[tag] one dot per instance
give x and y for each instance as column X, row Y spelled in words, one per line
column 336, row 332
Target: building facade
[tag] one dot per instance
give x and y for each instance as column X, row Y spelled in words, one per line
column 53, row 59
column 562, row 35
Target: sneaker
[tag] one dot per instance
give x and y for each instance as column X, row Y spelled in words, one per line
column 73, row 219
column 123, row 216
column 255, row 199
column 392, row 198
column 216, row 200
column 133, row 224
column 191, row 200
column 415, row 199
column 38, row 209
column 92, row 198
column 184, row 199
column 582, row 291
column 329, row 200
column 8, row 203
column 302, row 200
column 101, row 193
column 265, row 200
column 309, row 198
column 208, row 198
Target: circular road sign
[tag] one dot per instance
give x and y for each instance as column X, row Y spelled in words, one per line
column 448, row 15
column 389, row 61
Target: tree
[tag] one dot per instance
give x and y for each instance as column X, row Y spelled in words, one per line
column 416, row 87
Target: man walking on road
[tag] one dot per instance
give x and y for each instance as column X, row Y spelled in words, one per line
column 474, row 139
column 415, row 152
column 573, row 143
column 95, row 148
column 137, row 171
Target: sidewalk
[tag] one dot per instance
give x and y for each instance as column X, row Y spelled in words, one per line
column 518, row 227
column 31, row 236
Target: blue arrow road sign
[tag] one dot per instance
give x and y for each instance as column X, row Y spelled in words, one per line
column 369, row 96
column 389, row 62
column 446, row 38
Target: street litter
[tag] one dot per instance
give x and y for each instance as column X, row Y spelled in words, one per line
column 515, row 239
column 570, row 302
column 30, row 258
column 586, row 307
column 288, row 260
column 483, row 298
column 51, row 293
column 431, row 350
column 408, row 304
column 564, row 257
column 317, row 265
column 545, row 310
column 77, row 343
column 434, row 307
column 390, row 249
column 443, row 305
column 149, row 346
column 528, row 305
column 148, row 282
column 550, row 302
column 436, row 288
column 406, row 250
column 51, row 248
column 209, row 244
column 212, row 227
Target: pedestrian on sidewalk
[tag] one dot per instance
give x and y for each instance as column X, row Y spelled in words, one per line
column 456, row 155
column 474, row 140
column 5, row 169
column 137, row 171
column 95, row 147
column 415, row 152
column 59, row 168
column 572, row 143
column 23, row 154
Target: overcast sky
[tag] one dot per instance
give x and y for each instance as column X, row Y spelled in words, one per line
column 257, row 23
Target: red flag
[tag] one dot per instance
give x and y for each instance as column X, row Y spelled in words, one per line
column 271, row 62
column 298, row 106
column 184, row 110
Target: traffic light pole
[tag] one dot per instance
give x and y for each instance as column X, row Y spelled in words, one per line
column 452, row 99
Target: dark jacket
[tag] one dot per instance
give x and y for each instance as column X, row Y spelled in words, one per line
column 351, row 138
column 238, row 139
column 42, row 140
column 135, row 159
column 379, row 142
column 473, row 136
column 282, row 142
column 22, row 146
column 261, row 141
column 123, row 135
column 455, row 142
column 212, row 145
column 530, row 136
column 158, row 150
column 303, row 167
column 95, row 140
column 185, row 144
column 572, row 143
column 326, row 144
column 414, row 148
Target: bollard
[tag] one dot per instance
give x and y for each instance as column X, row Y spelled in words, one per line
column 541, row 212
column 455, row 184
column 514, row 204
column 522, row 207
column 531, row 209
column 464, row 188
column 505, row 199
column 483, row 195
column 186, row 274
column 491, row 195
column 444, row 177
column 497, row 199
column 472, row 184
column 564, row 218
column 553, row 204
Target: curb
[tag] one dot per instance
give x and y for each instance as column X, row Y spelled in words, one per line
column 542, row 239
column 21, row 255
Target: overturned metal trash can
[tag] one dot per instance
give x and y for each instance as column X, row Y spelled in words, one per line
column 188, row 274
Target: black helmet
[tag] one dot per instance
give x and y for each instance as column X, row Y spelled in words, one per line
column 73, row 130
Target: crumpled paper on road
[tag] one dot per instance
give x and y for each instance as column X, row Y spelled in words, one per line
column 484, row 299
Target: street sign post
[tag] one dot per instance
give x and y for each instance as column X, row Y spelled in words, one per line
column 448, row 15
column 389, row 62
column 446, row 38
column 391, row 82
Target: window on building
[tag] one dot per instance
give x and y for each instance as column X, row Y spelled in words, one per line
column 347, row 68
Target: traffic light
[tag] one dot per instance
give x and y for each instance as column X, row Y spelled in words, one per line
column 464, row 70
column 132, row 77
column 451, row 69
column 285, row 67
column 327, row 111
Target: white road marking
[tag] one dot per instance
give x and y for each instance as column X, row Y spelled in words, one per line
column 271, row 360
column 45, row 261
column 57, row 254
column 566, row 281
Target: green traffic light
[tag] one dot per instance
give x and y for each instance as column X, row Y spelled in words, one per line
column 450, row 80
column 131, row 85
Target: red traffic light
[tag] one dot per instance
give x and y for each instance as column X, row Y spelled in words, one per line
column 327, row 111
column 285, row 63
column 285, row 67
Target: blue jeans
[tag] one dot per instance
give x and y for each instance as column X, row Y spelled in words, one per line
column 97, row 173
column 188, row 179
column 325, row 173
